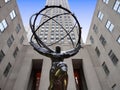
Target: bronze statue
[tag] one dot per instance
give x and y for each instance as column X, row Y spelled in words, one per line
column 58, row 73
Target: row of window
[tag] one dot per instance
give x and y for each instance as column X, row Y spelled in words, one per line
column 11, row 39
column 8, row 67
column 57, row 38
column 109, row 26
column 114, row 60
column 6, row 1
column 57, row 2
column 112, row 56
column 61, row 40
column 57, row 34
column 4, row 24
column 58, row 17
column 2, row 54
column 116, row 6
column 18, row 28
column 57, row 27
column 105, row 68
column 12, row 14
column 118, row 39
column 106, row 1
column 9, row 43
column 102, row 40
column 15, row 52
column 66, row 26
column 100, row 15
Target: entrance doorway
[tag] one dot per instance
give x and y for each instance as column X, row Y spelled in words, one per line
column 79, row 74
column 35, row 76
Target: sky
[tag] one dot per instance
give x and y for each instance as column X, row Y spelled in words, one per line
column 83, row 10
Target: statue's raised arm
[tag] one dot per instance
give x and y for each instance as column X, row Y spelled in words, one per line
column 41, row 50
column 72, row 52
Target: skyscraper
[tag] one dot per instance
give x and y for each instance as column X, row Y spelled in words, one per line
column 52, row 31
column 104, row 36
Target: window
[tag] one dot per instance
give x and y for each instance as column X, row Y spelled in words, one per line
column 97, row 51
column 15, row 52
column 117, row 6
column 113, row 57
column 57, row 38
column 52, row 39
column 7, row 1
column 41, row 32
column 12, row 14
column 22, row 39
column 1, row 55
column 91, row 39
column 105, row 68
column 45, row 36
column 74, row 40
column 72, row 35
column 46, row 33
column 46, row 30
column 100, row 15
column 45, row 40
column 43, row 26
column 106, row 1
column 118, row 40
column 10, row 41
column 102, row 40
column 40, row 36
column 95, row 28
column 109, row 26
column 7, row 69
column 3, row 25
column 18, row 27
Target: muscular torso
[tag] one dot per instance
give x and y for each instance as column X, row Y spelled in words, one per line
column 57, row 57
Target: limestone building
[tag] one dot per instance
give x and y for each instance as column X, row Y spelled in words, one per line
column 12, row 36
column 104, row 37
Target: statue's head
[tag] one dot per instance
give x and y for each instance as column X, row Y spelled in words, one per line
column 58, row 49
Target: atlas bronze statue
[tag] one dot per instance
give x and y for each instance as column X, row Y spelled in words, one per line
column 58, row 73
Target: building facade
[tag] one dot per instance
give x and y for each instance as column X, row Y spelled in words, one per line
column 12, row 36
column 104, row 37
